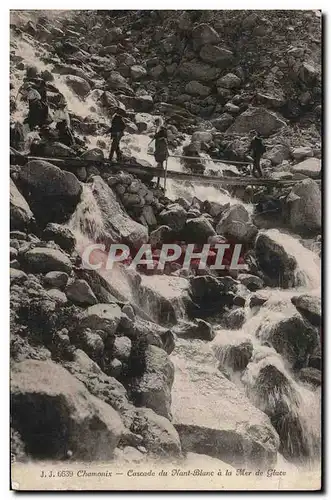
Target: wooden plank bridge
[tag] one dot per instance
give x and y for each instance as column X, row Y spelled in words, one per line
column 72, row 163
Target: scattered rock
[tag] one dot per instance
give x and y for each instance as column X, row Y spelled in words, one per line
column 258, row 299
column 311, row 167
column 174, row 216
column 104, row 317
column 61, row 235
column 302, row 153
column 310, row 308
column 137, row 72
column 217, row 56
column 153, row 389
column 204, row 34
column 252, row 282
column 57, row 296
column 20, row 213
column 199, row 329
column 80, row 293
column 198, row 71
column 80, row 86
column 196, row 88
column 158, row 433
column 223, row 122
column 198, row 230
column 229, row 81
column 263, row 121
column 17, row 276
column 56, row 279
column 43, row 260
column 118, row 225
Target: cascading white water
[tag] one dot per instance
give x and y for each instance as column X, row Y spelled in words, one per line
column 308, row 271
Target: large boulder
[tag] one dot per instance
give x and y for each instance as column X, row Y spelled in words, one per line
column 55, row 150
column 195, row 70
column 103, row 317
column 155, row 334
column 52, row 193
column 153, row 388
column 262, row 120
column 310, row 307
column 164, row 298
column 234, row 224
column 278, row 154
column 210, row 294
column 20, row 213
column 251, row 281
column 80, row 293
column 204, row 34
column 159, row 435
column 198, row 230
column 197, row 329
column 118, row 225
column 305, row 207
column 214, row 417
column 61, row 235
column 80, row 86
column 302, row 153
column 294, row 338
column 56, row 415
column 44, row 260
column 278, row 266
column 311, row 167
column 56, row 279
column 217, row 56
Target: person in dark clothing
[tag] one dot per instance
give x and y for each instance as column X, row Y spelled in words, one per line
column 161, row 152
column 257, row 148
column 117, row 132
column 42, row 89
column 16, row 136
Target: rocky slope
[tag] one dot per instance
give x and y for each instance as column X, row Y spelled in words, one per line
column 99, row 335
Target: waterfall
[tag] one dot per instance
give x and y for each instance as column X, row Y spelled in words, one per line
column 308, row 271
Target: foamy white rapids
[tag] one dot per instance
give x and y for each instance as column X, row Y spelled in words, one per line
column 308, row 271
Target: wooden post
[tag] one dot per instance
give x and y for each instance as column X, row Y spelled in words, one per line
column 165, row 175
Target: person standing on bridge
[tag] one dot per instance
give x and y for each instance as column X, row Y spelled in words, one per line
column 117, row 131
column 161, row 152
column 257, row 148
column 62, row 119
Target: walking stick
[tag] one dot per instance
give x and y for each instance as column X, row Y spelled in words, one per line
column 165, row 175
